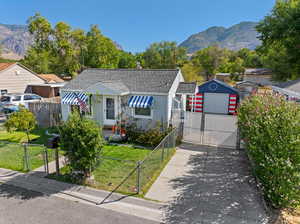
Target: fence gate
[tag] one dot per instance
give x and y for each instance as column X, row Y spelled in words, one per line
column 210, row 129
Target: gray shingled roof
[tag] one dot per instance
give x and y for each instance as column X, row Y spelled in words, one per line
column 258, row 71
column 186, row 88
column 293, row 85
column 136, row 80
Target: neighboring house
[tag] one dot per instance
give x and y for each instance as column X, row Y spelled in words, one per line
column 143, row 96
column 261, row 76
column 246, row 88
column 223, row 77
column 290, row 89
column 184, row 90
column 15, row 78
column 50, row 88
column 215, row 97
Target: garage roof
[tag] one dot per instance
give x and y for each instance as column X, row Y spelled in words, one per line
column 186, row 88
column 216, row 86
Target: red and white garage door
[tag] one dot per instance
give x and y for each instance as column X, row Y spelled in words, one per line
column 217, row 103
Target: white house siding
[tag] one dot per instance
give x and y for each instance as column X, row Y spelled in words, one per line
column 15, row 79
column 179, row 78
column 159, row 111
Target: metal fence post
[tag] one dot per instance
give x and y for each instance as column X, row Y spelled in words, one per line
column 138, row 180
column 46, row 161
column 26, row 159
column 57, row 161
column 174, row 137
column 202, row 128
column 238, row 139
column 163, row 152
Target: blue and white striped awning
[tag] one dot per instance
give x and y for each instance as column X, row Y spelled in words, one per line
column 72, row 98
column 140, row 101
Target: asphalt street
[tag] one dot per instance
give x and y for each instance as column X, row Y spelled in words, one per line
column 18, row 205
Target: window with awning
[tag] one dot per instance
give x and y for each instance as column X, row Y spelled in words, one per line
column 140, row 101
column 74, row 98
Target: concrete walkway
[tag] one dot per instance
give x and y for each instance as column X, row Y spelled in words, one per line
column 85, row 195
column 162, row 189
column 209, row 185
column 51, row 166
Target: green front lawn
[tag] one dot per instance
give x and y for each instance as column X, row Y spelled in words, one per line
column 12, row 151
column 110, row 173
column 37, row 136
column 116, row 163
column 12, row 156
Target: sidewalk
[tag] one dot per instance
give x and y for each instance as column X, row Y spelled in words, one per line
column 117, row 202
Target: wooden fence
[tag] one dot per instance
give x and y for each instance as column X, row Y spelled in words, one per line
column 47, row 113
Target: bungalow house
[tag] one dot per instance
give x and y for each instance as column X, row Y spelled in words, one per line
column 48, row 89
column 260, row 76
column 289, row 89
column 15, row 78
column 246, row 88
column 144, row 96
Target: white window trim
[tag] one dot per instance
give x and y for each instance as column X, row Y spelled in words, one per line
column 143, row 116
column 90, row 106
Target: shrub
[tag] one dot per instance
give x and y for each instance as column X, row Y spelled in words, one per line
column 151, row 137
column 81, row 141
column 22, row 120
column 270, row 127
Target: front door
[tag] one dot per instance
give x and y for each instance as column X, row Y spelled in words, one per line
column 110, row 106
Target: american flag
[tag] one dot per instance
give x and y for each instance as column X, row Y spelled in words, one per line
column 83, row 106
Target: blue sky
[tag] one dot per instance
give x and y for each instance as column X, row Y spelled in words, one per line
column 135, row 24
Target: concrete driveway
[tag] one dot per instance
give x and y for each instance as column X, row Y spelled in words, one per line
column 216, row 188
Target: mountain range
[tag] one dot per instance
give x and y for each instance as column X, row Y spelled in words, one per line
column 15, row 39
column 242, row 35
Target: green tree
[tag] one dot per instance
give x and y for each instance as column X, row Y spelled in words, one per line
column 22, row 120
column 280, row 34
column 192, row 73
column 251, row 59
column 101, row 51
column 127, row 60
column 81, row 141
column 40, row 28
column 164, row 55
column 66, row 51
column 212, row 60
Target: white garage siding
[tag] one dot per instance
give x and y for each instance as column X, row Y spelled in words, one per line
column 216, row 103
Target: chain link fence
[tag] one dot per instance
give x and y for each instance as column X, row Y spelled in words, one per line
column 25, row 157
column 138, row 178
column 111, row 171
column 152, row 164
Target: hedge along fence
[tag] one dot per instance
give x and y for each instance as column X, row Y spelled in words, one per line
column 270, row 127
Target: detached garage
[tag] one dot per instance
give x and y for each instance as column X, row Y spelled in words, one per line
column 214, row 97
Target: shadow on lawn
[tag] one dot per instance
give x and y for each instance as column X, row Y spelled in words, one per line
column 218, row 188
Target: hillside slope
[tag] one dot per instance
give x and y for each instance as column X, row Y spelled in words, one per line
column 242, row 35
column 14, row 40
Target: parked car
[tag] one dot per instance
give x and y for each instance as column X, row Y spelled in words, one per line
column 10, row 102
